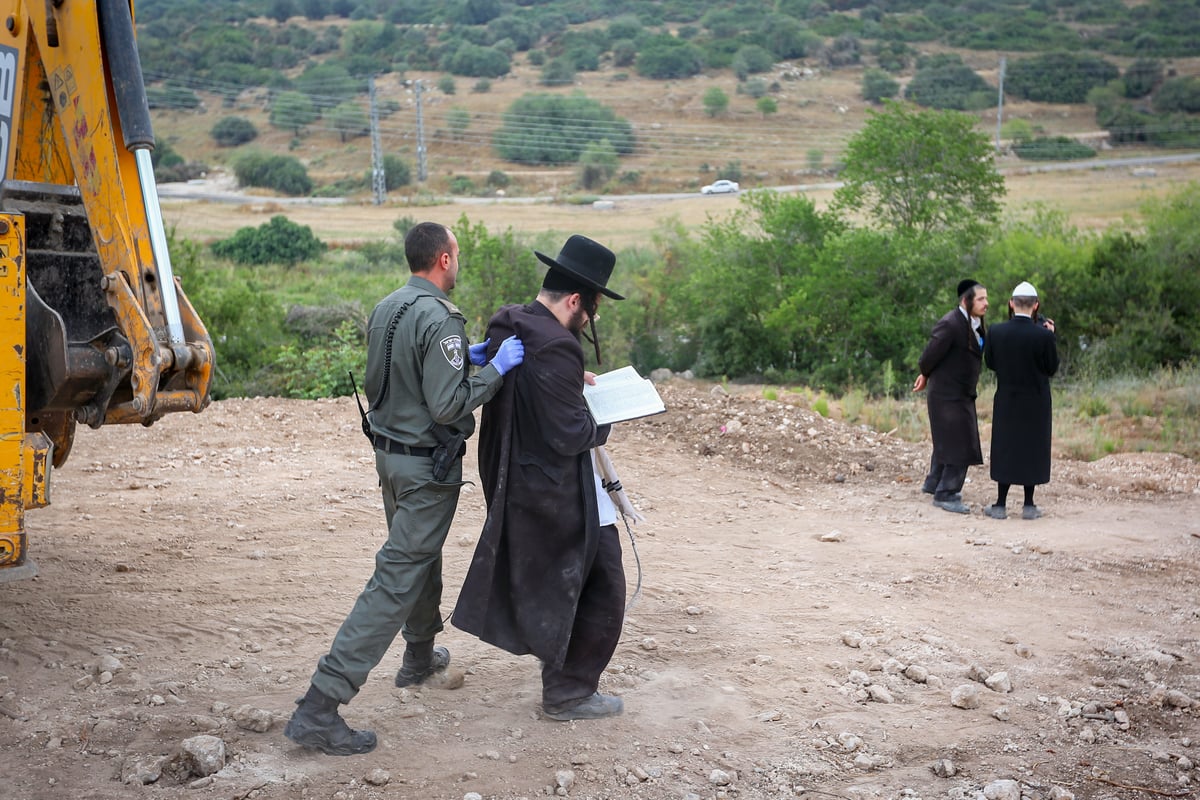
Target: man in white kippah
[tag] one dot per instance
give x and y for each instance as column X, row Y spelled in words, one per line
column 1023, row 353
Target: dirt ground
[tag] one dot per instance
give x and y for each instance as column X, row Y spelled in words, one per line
column 805, row 625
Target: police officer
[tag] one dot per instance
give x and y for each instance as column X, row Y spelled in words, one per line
column 421, row 397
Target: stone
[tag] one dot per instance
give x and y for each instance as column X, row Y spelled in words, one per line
column 203, row 755
column 944, row 768
column 719, row 777
column 998, row 682
column 965, row 696
column 249, row 718
column 1002, row 790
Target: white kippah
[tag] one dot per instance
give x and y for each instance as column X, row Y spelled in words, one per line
column 1024, row 289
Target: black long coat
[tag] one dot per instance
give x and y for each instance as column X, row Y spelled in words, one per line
column 951, row 363
column 1023, row 355
column 540, row 537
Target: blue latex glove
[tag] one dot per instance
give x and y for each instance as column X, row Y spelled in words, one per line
column 510, row 354
column 478, row 353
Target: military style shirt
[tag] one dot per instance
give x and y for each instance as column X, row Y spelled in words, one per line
column 427, row 368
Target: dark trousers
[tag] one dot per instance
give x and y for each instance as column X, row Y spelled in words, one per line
column 945, row 481
column 596, row 631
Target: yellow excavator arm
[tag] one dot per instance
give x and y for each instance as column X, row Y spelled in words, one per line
column 102, row 329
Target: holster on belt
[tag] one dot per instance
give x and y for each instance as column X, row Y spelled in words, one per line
column 451, row 446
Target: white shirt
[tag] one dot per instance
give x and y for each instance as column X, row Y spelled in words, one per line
column 604, row 503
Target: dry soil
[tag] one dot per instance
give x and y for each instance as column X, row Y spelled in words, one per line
column 804, row 623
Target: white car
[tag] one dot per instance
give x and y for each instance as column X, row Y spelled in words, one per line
column 719, row 187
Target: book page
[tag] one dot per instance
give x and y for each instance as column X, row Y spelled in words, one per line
column 622, row 395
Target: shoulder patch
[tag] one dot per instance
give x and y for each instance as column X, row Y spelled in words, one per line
column 452, row 349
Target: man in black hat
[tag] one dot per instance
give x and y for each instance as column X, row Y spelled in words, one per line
column 950, row 366
column 546, row 577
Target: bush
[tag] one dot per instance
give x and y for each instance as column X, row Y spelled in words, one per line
column 1058, row 77
column 280, row 173
column 1178, row 94
column 232, row 131
column 665, row 57
column 878, row 86
column 597, row 164
column 396, row 172
column 1141, row 77
column 945, row 82
column 553, row 129
column 279, row 241
column 1052, row 148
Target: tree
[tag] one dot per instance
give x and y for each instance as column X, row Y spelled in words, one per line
column 279, row 241
column 666, row 57
column 553, row 129
column 597, row 164
column 282, row 173
column 396, row 172
column 878, row 86
column 716, row 102
column 921, row 170
column 292, row 111
column 232, row 131
column 944, row 81
column 1058, row 77
column 766, row 106
column 348, row 119
column 1142, row 76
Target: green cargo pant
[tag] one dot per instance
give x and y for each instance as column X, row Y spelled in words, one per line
column 405, row 592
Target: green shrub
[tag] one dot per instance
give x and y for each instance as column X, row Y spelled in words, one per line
column 309, row 371
column 232, row 131
column 281, row 173
column 554, row 129
column 1178, row 94
column 396, row 172
column 945, row 82
column 878, row 86
column 1052, row 148
column 279, row 241
column 1058, row 77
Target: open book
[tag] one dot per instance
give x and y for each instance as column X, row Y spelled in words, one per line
column 622, row 395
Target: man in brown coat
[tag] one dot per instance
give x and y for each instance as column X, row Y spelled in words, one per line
column 547, row 577
column 950, row 366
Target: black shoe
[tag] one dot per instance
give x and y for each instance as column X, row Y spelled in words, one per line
column 420, row 661
column 1030, row 512
column 956, row 506
column 598, row 706
column 996, row 512
column 317, row 725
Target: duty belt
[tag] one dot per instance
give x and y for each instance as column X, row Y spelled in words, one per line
column 388, row 445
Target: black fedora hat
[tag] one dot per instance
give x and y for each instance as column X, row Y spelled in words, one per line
column 586, row 262
column 966, row 284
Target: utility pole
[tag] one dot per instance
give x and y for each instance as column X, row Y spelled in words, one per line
column 421, row 174
column 378, row 177
column 1000, row 103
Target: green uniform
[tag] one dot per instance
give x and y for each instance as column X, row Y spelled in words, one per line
column 427, row 383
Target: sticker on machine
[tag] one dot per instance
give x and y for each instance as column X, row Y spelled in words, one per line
column 452, row 349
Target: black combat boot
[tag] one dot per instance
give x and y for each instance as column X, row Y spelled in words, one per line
column 317, row 725
column 421, row 659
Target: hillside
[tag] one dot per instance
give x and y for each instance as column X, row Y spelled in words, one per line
column 680, row 144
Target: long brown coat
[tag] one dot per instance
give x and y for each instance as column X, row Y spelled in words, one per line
column 951, row 363
column 542, row 528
